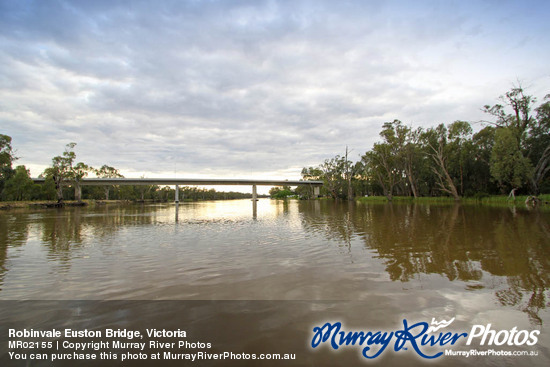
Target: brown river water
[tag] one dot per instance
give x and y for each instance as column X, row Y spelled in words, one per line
column 259, row 280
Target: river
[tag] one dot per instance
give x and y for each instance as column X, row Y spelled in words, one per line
column 273, row 273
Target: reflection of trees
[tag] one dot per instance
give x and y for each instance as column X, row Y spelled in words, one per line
column 524, row 246
column 459, row 242
column 14, row 233
column 66, row 231
column 62, row 233
column 334, row 219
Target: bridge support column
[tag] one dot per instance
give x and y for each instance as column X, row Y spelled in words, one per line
column 316, row 191
column 254, row 193
column 177, row 198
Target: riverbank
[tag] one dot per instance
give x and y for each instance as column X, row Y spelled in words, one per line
column 6, row 205
column 489, row 200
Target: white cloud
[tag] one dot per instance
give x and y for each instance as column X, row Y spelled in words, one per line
column 251, row 88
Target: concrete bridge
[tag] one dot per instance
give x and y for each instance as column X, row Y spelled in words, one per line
column 193, row 182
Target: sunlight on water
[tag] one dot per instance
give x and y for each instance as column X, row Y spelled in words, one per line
column 281, row 250
column 401, row 260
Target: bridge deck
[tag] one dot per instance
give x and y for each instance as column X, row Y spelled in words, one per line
column 189, row 181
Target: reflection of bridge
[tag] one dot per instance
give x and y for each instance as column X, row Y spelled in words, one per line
column 195, row 181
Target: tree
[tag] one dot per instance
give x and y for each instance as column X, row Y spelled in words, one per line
column 459, row 139
column 412, row 159
column 145, row 189
column 380, row 162
column 48, row 189
column 480, row 180
column 520, row 120
column 394, row 159
column 281, row 192
column 349, row 174
column 508, row 166
column 529, row 138
column 437, row 142
column 78, row 172
column 309, row 174
column 405, row 146
column 332, row 175
column 62, row 169
column 538, row 141
column 107, row 172
column 20, row 185
column 6, row 160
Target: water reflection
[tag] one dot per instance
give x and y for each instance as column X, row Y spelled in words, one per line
column 285, row 250
column 464, row 243
column 13, row 234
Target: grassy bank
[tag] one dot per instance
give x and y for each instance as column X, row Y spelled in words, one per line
column 489, row 200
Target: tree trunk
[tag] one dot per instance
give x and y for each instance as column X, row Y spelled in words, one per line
column 445, row 180
column 541, row 169
column 512, row 194
column 77, row 192
column 58, row 189
column 409, row 172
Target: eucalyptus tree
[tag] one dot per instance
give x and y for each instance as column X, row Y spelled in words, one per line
column 538, row 141
column 64, row 172
column 333, row 173
column 405, row 145
column 460, row 152
column 521, row 154
column 19, row 186
column 439, row 149
column 520, row 120
column 6, row 160
column 62, row 169
column 413, row 159
column 107, row 172
column 348, row 173
column 482, row 143
column 337, row 174
column 381, row 164
column 386, row 161
column 78, row 172
column 508, row 165
column 310, row 174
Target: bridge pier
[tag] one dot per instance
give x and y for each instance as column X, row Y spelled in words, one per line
column 254, row 193
column 177, row 198
column 316, row 192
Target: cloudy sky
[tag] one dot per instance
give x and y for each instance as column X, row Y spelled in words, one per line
column 252, row 89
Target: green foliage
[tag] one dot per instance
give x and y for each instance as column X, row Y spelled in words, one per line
column 281, row 193
column 6, row 160
column 61, row 170
column 108, row 172
column 19, row 186
column 508, row 165
column 450, row 160
column 49, row 191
